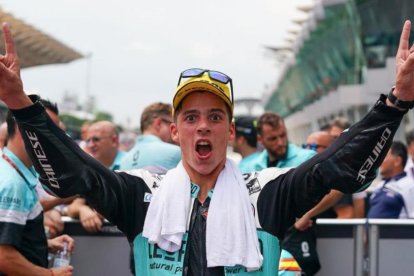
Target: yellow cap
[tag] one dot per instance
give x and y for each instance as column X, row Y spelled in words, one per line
column 203, row 83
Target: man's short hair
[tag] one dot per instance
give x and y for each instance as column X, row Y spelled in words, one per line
column 154, row 111
column 399, row 149
column 269, row 118
column 410, row 137
column 11, row 122
column 246, row 127
column 341, row 123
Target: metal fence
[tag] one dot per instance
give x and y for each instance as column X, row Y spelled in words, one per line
column 360, row 247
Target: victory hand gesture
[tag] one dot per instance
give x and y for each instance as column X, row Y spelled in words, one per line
column 11, row 86
column 404, row 84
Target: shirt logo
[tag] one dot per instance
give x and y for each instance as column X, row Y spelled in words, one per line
column 252, row 183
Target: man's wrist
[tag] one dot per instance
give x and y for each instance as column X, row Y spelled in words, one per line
column 20, row 102
column 394, row 101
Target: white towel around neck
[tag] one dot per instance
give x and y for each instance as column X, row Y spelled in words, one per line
column 231, row 237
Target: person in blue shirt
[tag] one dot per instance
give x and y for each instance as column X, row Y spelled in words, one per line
column 278, row 151
column 102, row 142
column 23, row 243
column 154, row 149
column 395, row 196
column 245, row 142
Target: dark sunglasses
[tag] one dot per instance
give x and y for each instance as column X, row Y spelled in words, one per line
column 166, row 120
column 312, row 146
column 95, row 139
column 214, row 75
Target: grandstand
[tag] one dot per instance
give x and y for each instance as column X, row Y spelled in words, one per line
column 339, row 63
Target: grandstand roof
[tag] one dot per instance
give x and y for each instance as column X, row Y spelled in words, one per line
column 35, row 47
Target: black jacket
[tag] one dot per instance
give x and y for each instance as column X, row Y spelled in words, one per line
column 278, row 196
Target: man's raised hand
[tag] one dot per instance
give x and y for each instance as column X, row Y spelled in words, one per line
column 404, row 83
column 11, row 86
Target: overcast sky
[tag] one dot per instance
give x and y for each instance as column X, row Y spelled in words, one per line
column 139, row 48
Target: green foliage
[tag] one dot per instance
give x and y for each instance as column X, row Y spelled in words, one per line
column 103, row 116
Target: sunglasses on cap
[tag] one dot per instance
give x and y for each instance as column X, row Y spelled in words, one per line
column 214, row 75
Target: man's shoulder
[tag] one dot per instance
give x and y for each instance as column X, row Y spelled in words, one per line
column 260, row 161
column 298, row 155
column 405, row 183
column 153, row 143
column 255, row 181
column 300, row 151
column 8, row 175
column 152, row 178
column 247, row 164
column 154, row 154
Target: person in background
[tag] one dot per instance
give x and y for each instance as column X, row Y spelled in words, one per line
column 245, row 142
column 281, row 154
column 83, row 135
column 102, row 142
column 23, row 243
column 154, row 149
column 278, row 151
column 394, row 198
column 337, row 126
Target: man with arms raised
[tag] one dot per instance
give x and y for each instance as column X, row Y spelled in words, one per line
column 170, row 235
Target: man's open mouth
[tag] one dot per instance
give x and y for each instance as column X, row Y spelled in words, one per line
column 203, row 148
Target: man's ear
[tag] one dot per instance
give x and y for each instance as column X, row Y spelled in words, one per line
column 399, row 162
column 156, row 124
column 232, row 132
column 174, row 133
column 259, row 138
column 115, row 139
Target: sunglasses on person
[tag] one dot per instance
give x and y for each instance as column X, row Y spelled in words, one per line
column 166, row 121
column 214, row 75
column 312, row 146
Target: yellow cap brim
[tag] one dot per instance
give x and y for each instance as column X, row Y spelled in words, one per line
column 203, row 84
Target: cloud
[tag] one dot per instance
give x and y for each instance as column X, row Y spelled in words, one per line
column 201, row 50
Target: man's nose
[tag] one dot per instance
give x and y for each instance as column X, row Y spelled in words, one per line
column 203, row 126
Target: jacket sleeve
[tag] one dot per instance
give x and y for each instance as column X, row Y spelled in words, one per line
column 348, row 165
column 66, row 170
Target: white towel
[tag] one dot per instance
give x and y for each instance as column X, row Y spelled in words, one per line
column 231, row 237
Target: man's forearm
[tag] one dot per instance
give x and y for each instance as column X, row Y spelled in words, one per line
column 13, row 263
column 327, row 202
column 350, row 163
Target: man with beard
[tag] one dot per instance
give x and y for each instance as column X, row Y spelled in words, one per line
column 278, row 151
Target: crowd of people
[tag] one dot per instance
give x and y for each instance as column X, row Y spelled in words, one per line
column 177, row 192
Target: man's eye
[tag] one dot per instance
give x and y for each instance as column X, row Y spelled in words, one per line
column 215, row 117
column 190, row 118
